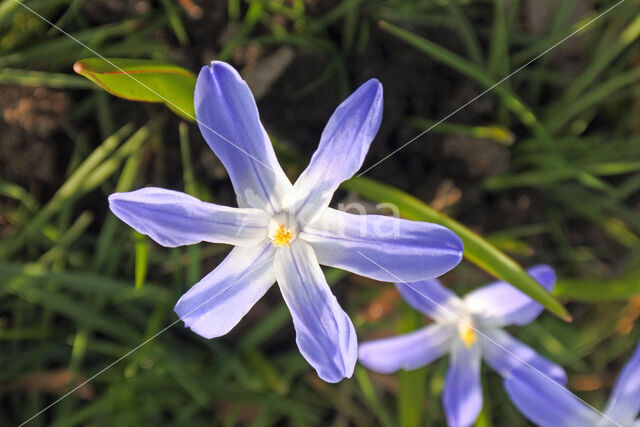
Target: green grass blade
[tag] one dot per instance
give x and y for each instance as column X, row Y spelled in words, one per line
column 40, row 78
column 467, row 33
column 190, row 185
column 562, row 15
column 14, row 191
column 69, row 236
column 111, row 165
column 251, row 19
column 412, row 385
column 371, row 398
column 142, row 258
column 498, row 65
column 175, row 21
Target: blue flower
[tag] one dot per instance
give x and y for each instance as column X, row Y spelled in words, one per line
column 469, row 329
column 283, row 232
column 548, row 404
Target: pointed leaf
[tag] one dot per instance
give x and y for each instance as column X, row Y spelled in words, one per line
column 143, row 80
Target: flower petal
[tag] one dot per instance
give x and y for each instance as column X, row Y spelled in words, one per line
column 214, row 305
column 408, row 351
column 462, row 395
column 624, row 403
column 504, row 353
column 343, row 146
column 506, row 305
column 173, row 219
column 229, row 121
column 324, row 332
column 383, row 248
column 431, row 298
column 547, row 403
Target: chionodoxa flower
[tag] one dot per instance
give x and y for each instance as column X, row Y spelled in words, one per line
column 283, row 232
column 551, row 405
column 469, row 329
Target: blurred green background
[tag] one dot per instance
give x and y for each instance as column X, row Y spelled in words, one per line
column 546, row 166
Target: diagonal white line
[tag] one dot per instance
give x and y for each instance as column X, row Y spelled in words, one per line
column 448, row 116
column 485, row 336
column 141, row 83
column 127, row 354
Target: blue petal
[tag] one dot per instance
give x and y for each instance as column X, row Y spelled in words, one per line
column 462, row 396
column 383, row 248
column 343, row 146
column 324, row 332
column 173, row 219
column 505, row 353
column 624, row 403
column 214, row 305
column 229, row 121
column 431, row 298
column 547, row 403
column 506, row 305
column 409, row 351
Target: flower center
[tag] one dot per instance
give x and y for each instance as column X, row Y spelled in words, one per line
column 282, row 230
column 282, row 236
column 467, row 334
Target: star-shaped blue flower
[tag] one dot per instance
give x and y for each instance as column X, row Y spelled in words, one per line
column 551, row 405
column 283, row 232
column 469, row 329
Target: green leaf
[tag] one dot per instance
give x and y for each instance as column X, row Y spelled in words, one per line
column 143, row 80
column 142, row 258
column 477, row 249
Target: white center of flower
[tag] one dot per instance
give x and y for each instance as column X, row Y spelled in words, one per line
column 282, row 229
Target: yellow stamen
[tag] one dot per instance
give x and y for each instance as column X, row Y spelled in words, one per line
column 467, row 335
column 282, row 236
